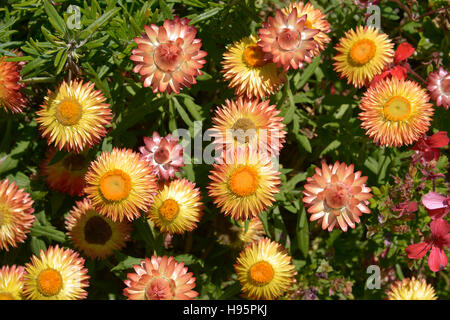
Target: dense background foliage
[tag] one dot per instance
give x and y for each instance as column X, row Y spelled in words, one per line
column 319, row 110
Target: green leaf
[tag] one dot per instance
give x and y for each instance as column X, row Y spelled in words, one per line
column 303, row 232
column 304, row 142
column 48, row 231
column 231, row 291
column 126, row 262
column 107, row 16
column 205, row 15
column 54, row 18
column 308, row 72
column 165, row 9
column 331, row 146
column 37, row 245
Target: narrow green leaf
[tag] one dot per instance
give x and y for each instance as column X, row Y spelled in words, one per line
column 48, row 231
column 107, row 16
column 54, row 18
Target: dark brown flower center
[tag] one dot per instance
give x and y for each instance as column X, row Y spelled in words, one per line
column 97, row 231
column 75, row 162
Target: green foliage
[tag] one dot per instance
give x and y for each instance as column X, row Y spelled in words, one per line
column 319, row 109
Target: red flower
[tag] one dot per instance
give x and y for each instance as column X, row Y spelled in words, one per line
column 403, row 52
column 436, row 204
column 428, row 147
column 400, row 67
column 439, row 240
column 405, row 207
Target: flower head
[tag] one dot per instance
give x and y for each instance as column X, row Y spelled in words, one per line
column 67, row 174
column 264, row 270
column 428, row 147
column 249, row 70
column 440, row 239
column 11, row 282
column 177, row 208
column 119, row 184
column 58, row 274
column 362, row 54
column 160, row 278
column 165, row 154
column 169, row 57
column 336, row 195
column 439, row 87
column 244, row 185
column 241, row 123
column 287, row 39
column 74, row 116
column 95, row 235
column 16, row 214
column 411, row 289
column 11, row 98
column 395, row 112
column 315, row 20
column 436, row 204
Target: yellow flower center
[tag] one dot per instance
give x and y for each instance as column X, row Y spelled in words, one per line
column 254, row 56
column 261, row 272
column 4, row 214
column 362, row 51
column 49, row 282
column 397, row 108
column 169, row 209
column 68, row 112
column 168, row 56
column 308, row 24
column 97, row 231
column 6, row 296
column 243, row 181
column 115, row 185
column 240, row 128
column 336, row 196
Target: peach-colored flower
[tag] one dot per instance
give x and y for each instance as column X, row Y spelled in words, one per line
column 336, row 194
column 439, row 87
column 67, row 174
column 164, row 153
column 11, row 282
column 169, row 57
column 16, row 214
column 11, row 99
column 287, row 39
column 395, row 112
column 248, row 122
column 160, row 278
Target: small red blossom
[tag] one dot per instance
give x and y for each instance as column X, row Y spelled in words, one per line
column 399, row 68
column 405, row 207
column 440, row 239
column 428, row 147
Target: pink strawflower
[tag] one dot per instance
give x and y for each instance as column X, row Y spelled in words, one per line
column 287, row 39
column 165, row 154
column 428, row 147
column 440, row 239
column 168, row 57
column 439, row 87
column 436, row 204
